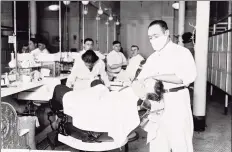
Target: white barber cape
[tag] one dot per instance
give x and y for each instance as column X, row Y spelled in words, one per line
column 97, row 109
column 175, row 128
column 129, row 73
column 82, row 77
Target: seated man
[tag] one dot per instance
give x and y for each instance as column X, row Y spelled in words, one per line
column 133, row 66
column 97, row 101
column 41, row 48
column 86, row 68
column 115, row 60
column 88, row 45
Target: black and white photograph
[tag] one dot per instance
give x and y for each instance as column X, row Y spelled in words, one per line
column 115, row 76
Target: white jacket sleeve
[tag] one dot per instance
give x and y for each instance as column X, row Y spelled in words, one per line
column 186, row 67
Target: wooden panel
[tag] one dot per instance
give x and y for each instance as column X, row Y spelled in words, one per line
column 222, row 61
column 223, row 81
column 215, row 60
column 218, row 78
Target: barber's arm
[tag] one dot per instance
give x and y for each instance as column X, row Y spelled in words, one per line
column 185, row 70
column 72, row 77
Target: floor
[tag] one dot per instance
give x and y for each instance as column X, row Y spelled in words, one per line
column 216, row 137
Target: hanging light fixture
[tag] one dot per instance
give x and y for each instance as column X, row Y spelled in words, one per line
column 107, row 22
column 85, row 11
column 110, row 17
column 53, row 7
column 100, row 11
column 117, row 22
column 176, row 5
column 66, row 2
column 85, row 2
column 98, row 18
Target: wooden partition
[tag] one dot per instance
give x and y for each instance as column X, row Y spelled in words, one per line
column 219, row 59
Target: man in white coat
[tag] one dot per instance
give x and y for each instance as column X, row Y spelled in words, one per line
column 134, row 64
column 175, row 67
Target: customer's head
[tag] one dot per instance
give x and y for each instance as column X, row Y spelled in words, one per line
column 33, row 44
column 117, row 46
column 88, row 44
column 158, row 34
column 89, row 58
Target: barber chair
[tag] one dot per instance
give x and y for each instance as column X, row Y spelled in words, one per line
column 12, row 136
column 66, row 135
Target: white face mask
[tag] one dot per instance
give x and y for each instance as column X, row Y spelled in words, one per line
column 159, row 43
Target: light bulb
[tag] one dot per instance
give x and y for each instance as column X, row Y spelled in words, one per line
column 110, row 18
column 98, row 18
column 85, row 12
column 85, row 2
column 107, row 23
column 100, row 11
column 117, row 23
column 176, row 5
column 53, row 7
column 66, row 2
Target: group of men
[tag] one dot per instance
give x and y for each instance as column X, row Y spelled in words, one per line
column 108, row 67
column 171, row 64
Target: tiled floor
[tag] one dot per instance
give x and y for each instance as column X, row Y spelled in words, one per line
column 216, row 137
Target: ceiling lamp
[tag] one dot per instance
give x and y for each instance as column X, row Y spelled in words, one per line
column 85, row 11
column 66, row 2
column 53, row 7
column 117, row 22
column 100, row 11
column 85, row 2
column 98, row 18
column 176, row 5
column 107, row 23
column 110, row 17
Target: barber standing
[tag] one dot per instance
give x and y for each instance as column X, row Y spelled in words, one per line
column 175, row 67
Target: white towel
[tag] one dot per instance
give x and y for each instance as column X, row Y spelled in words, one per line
column 97, row 109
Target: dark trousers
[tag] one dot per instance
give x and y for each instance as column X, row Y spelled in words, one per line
column 58, row 94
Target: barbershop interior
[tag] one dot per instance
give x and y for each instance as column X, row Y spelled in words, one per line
column 112, row 76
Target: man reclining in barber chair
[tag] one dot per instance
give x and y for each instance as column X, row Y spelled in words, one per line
column 96, row 111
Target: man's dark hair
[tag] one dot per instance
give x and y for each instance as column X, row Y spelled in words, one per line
column 116, row 42
column 89, row 57
column 88, row 39
column 161, row 23
column 34, row 40
column 96, row 82
column 135, row 46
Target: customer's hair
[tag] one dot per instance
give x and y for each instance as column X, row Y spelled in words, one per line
column 88, row 39
column 161, row 23
column 89, row 57
column 34, row 40
column 157, row 95
column 96, row 82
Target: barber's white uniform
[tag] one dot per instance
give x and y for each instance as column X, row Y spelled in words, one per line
column 115, row 58
column 82, row 77
column 129, row 73
column 175, row 129
column 36, row 52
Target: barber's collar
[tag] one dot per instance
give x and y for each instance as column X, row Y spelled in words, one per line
column 165, row 46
